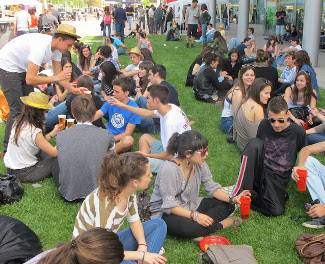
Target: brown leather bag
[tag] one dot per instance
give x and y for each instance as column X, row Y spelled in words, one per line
column 311, row 248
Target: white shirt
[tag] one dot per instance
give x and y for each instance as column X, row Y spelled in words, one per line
column 174, row 121
column 22, row 19
column 114, row 52
column 36, row 48
column 131, row 67
column 23, row 155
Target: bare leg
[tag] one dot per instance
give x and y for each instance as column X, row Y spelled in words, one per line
column 124, row 144
column 145, row 142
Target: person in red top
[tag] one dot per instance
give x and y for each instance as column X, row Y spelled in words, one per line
column 33, row 25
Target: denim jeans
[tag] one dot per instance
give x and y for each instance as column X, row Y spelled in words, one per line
column 316, row 179
column 233, row 44
column 51, row 118
column 226, row 124
column 14, row 86
column 147, row 125
column 210, row 38
column 315, row 138
column 154, row 231
column 204, row 33
column 109, row 30
column 280, row 59
column 154, row 26
column 156, row 147
column 121, row 50
column 169, row 25
column 129, row 19
column 142, row 20
column 120, row 28
column 225, row 23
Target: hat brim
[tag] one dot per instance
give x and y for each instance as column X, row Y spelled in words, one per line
column 66, row 33
column 46, row 107
column 128, row 53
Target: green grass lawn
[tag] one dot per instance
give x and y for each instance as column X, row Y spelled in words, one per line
column 273, row 239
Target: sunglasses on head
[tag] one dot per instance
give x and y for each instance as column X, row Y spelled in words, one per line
column 305, row 72
column 203, row 152
column 273, row 120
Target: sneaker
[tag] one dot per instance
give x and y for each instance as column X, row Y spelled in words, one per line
column 187, row 46
column 162, row 251
column 231, row 140
column 237, row 221
column 197, row 239
column 318, row 222
column 192, row 45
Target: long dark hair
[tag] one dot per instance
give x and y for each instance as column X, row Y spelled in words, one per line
column 95, row 246
column 268, row 43
column 217, row 35
column 110, row 72
column 232, row 51
column 302, row 58
column 308, row 91
column 85, row 62
column 117, row 171
column 29, row 116
column 144, row 81
column 256, row 88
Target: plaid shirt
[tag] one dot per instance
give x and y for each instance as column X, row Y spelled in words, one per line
column 116, row 63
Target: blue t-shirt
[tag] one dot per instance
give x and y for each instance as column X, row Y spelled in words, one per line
column 241, row 50
column 116, row 42
column 119, row 118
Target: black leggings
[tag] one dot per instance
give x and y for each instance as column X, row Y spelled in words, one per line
column 180, row 226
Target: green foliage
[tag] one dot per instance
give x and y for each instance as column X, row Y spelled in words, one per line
column 145, row 2
column 273, row 239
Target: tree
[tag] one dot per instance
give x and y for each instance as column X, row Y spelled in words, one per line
column 145, row 2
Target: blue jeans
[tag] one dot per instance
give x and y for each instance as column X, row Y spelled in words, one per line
column 316, row 179
column 210, row 38
column 109, row 30
column 147, row 125
column 154, row 231
column 121, row 50
column 51, row 118
column 315, row 138
column 233, row 44
column 154, row 26
column 129, row 19
column 248, row 60
column 225, row 23
column 120, row 28
column 142, row 20
column 280, row 59
column 226, row 124
column 169, row 25
column 204, row 33
column 14, row 86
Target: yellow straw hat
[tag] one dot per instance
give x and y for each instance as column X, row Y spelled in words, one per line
column 222, row 27
column 67, row 29
column 279, row 8
column 37, row 100
column 136, row 51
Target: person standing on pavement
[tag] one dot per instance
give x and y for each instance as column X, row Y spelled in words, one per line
column 54, row 12
column 129, row 14
column 280, row 16
column 21, row 21
column 142, row 17
column 191, row 22
column 151, row 15
column 204, row 21
column 120, row 20
column 158, row 17
column 20, row 61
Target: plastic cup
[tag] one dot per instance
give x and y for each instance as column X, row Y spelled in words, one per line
column 88, row 93
column 245, row 206
column 74, row 84
column 305, row 126
column 70, row 122
column 62, row 120
column 302, row 180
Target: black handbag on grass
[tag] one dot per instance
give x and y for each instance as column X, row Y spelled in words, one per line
column 11, row 189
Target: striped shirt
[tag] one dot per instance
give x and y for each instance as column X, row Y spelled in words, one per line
column 289, row 76
column 98, row 212
column 116, row 63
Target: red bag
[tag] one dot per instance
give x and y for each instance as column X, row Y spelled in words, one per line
column 108, row 20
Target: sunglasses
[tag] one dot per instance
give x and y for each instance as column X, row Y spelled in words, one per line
column 203, row 152
column 273, row 120
column 305, row 72
column 268, row 83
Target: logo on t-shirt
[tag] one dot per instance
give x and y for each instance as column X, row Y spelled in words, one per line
column 117, row 120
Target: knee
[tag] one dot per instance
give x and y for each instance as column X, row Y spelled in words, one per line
column 128, row 142
column 144, row 138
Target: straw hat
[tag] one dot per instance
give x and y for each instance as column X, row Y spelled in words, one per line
column 67, row 29
column 222, row 27
column 136, row 51
column 279, row 8
column 37, row 100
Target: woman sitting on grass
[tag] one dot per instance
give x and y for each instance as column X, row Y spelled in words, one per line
column 95, row 246
column 250, row 112
column 86, row 59
column 107, row 41
column 175, row 197
column 107, row 206
column 298, row 97
column 28, row 141
column 234, row 95
column 141, row 80
column 271, row 46
column 232, row 64
column 142, row 42
column 219, row 43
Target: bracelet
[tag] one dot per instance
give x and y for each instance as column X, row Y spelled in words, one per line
column 138, row 90
column 143, row 245
column 231, row 199
column 144, row 253
column 192, row 215
column 138, row 86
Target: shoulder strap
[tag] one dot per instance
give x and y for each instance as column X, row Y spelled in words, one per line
column 316, row 240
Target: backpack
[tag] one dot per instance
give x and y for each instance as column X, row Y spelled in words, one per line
column 108, row 20
column 18, row 243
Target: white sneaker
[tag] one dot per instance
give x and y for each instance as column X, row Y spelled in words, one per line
column 162, row 251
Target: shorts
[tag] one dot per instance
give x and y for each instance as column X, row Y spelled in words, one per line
column 156, row 147
column 279, row 30
column 192, row 29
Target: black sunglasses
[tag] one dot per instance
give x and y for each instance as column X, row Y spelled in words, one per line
column 273, row 120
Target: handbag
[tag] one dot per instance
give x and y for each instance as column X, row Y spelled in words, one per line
column 230, row 254
column 300, row 113
column 311, row 248
column 11, row 189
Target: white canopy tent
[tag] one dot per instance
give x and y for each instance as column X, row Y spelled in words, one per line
column 30, row 3
column 183, row 3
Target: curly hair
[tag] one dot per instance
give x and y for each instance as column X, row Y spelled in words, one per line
column 117, row 171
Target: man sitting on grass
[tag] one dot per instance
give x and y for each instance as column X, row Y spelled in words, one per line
column 136, row 58
column 268, row 160
column 121, row 122
column 172, row 119
column 315, row 183
column 283, row 52
column 81, row 149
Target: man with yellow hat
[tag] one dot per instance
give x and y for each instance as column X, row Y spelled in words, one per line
column 20, row 61
column 280, row 16
column 136, row 58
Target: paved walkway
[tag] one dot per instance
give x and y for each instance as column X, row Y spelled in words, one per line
column 92, row 28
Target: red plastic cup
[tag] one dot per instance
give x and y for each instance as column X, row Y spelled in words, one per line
column 305, row 126
column 245, row 206
column 302, row 180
